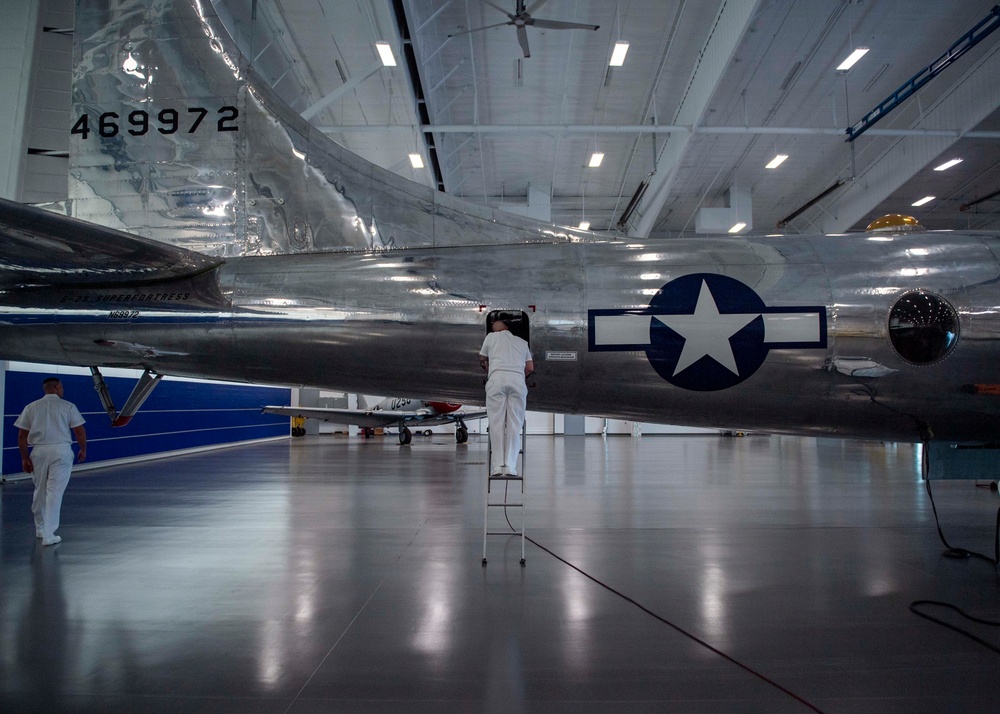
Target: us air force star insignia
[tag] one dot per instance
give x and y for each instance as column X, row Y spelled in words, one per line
column 707, row 332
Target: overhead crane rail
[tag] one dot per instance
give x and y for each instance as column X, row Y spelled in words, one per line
column 962, row 45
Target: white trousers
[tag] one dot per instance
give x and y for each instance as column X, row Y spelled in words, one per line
column 52, row 464
column 506, row 400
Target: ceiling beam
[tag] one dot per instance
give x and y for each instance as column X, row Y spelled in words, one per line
column 340, row 91
column 731, row 23
column 640, row 129
column 968, row 102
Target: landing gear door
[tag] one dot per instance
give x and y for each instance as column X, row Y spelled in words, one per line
column 516, row 320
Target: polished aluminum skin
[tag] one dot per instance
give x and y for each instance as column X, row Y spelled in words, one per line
column 412, row 321
column 186, row 144
column 339, row 275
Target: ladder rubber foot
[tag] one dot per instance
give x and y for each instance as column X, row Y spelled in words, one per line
column 522, row 562
column 484, row 562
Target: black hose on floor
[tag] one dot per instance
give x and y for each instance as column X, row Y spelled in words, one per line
column 952, row 552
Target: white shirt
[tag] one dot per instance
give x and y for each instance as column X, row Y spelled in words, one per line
column 49, row 420
column 506, row 352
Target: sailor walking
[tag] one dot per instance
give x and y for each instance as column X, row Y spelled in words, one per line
column 48, row 425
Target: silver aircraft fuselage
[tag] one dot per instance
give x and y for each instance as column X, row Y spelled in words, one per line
column 270, row 254
column 412, row 321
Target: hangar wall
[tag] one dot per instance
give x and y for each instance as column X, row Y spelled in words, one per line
column 179, row 415
column 18, row 22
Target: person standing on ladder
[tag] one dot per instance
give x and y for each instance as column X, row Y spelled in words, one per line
column 506, row 359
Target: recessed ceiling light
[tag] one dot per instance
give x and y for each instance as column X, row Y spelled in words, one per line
column 417, row 161
column 596, row 160
column 947, row 165
column 618, row 55
column 385, row 53
column 922, row 201
column 584, row 225
column 852, row 59
column 738, row 227
column 776, row 161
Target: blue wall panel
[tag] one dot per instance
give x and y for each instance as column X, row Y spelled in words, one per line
column 177, row 415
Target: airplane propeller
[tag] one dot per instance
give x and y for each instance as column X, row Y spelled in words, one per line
column 522, row 19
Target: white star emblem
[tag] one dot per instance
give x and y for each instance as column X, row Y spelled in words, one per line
column 706, row 332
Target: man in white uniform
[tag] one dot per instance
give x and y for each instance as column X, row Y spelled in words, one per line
column 507, row 360
column 46, row 424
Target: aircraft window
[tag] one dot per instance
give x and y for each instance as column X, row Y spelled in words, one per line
column 923, row 327
column 517, row 322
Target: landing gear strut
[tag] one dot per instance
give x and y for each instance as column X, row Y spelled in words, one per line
column 461, row 432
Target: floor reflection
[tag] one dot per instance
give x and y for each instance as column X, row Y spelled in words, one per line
column 339, row 574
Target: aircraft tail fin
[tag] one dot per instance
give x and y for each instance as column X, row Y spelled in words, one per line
column 177, row 137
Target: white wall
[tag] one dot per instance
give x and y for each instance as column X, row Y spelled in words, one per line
column 18, row 20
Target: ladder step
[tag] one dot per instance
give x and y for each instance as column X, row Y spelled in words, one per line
column 505, row 494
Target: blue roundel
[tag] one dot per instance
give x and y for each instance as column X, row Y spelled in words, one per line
column 706, row 332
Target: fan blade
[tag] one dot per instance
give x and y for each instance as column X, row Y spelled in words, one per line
column 487, row 2
column 522, row 37
column 534, row 8
column 477, row 29
column 559, row 25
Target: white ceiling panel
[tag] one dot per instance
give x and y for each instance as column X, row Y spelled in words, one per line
column 493, row 122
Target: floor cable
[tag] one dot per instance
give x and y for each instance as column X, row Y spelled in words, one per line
column 667, row 622
column 958, row 553
column 988, row 645
column 952, row 552
column 679, row 629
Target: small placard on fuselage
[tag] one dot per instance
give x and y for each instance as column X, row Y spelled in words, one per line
column 560, row 356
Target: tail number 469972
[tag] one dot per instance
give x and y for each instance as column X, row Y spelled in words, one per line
column 165, row 121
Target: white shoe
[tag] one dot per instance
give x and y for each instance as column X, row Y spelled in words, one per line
column 496, row 472
column 52, row 541
column 39, row 534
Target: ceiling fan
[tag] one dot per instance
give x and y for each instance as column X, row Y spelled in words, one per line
column 522, row 18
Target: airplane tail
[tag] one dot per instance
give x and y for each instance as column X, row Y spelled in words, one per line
column 178, row 138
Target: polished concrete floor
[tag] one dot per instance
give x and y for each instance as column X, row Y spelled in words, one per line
column 666, row 573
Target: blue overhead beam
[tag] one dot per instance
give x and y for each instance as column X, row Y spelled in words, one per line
column 962, row 45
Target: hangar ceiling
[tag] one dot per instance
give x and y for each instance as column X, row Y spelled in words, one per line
column 710, row 91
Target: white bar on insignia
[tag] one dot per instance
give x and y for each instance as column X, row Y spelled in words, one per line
column 621, row 330
column 791, row 327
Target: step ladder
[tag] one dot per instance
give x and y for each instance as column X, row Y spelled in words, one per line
column 500, row 500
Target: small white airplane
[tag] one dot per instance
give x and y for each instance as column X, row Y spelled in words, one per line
column 391, row 411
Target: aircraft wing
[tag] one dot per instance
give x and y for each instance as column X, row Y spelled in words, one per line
column 375, row 417
column 40, row 248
